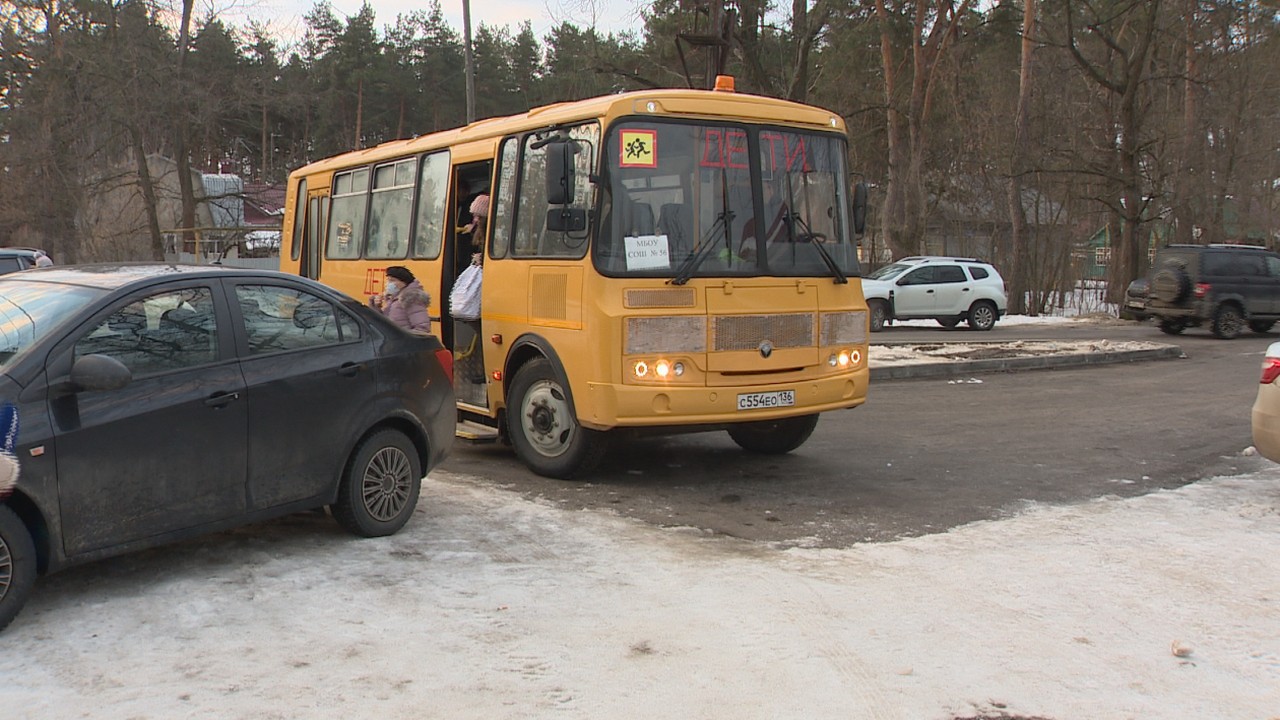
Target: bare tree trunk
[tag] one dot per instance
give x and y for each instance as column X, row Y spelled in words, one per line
column 358, row 143
column 266, row 152
column 1019, row 163
column 148, row 192
column 1188, row 166
column 181, row 128
column 1132, row 70
column 904, row 216
column 469, row 67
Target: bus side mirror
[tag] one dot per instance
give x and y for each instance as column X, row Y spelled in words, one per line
column 860, row 208
column 560, row 169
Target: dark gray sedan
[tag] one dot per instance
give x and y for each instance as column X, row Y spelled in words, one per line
column 157, row 402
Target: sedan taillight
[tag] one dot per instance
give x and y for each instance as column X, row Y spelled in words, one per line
column 1202, row 290
column 1270, row 370
column 446, row 361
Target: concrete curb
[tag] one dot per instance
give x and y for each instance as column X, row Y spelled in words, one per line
column 1044, row 362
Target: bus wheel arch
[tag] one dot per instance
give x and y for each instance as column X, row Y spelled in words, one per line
column 542, row 424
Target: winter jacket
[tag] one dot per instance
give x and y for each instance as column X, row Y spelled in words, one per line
column 409, row 308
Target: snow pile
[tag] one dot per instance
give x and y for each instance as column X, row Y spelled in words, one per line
column 920, row 353
column 490, row 606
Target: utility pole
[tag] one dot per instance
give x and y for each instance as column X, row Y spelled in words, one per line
column 470, row 69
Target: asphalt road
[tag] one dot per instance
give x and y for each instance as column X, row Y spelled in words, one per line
column 923, row 456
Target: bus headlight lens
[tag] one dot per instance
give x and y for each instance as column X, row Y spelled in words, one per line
column 845, row 358
column 657, row 369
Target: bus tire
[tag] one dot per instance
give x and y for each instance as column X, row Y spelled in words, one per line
column 543, row 429
column 17, row 565
column 380, row 487
column 774, row 437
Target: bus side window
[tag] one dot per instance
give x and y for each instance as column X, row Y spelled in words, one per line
column 433, row 184
column 347, row 219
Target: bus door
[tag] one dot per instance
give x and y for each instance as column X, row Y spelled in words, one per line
column 465, row 241
column 313, row 233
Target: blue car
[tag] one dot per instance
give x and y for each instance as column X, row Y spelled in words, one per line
column 157, row 402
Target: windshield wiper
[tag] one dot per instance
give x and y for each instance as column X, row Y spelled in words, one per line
column 794, row 217
column 830, row 262
column 690, row 266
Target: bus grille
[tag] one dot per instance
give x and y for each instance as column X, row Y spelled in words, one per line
column 746, row 332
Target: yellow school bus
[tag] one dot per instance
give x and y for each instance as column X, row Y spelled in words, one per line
column 627, row 283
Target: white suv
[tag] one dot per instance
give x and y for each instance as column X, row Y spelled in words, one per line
column 946, row 289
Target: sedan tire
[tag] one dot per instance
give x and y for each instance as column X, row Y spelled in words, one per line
column 380, row 487
column 17, row 565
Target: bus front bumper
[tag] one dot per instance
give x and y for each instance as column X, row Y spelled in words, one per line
column 607, row 406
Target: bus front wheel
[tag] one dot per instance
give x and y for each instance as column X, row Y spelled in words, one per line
column 774, row 437
column 542, row 428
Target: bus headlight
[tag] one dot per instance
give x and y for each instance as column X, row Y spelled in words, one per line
column 659, row 369
column 844, row 358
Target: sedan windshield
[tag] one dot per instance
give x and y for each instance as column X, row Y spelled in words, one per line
column 29, row 310
column 689, row 200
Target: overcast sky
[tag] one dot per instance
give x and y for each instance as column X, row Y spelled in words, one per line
column 605, row 15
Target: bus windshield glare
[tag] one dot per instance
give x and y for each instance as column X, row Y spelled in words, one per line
column 686, row 200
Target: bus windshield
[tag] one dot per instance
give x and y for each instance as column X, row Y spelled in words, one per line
column 713, row 200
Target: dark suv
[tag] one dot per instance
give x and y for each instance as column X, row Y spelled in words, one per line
column 1227, row 286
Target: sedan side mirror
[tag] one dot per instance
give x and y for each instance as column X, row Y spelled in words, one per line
column 99, row 372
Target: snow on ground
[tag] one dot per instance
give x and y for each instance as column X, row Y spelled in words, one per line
column 948, row 349
column 491, row 606
column 922, row 353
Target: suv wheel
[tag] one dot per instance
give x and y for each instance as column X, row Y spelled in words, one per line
column 879, row 312
column 1227, row 322
column 982, row 316
column 1172, row 327
column 1261, row 326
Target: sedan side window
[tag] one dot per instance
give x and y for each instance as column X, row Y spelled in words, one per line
column 167, row 331
column 280, row 318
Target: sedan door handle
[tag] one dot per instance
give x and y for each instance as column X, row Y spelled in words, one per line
column 965, row 289
column 350, row 369
column 221, row 399
column 929, row 290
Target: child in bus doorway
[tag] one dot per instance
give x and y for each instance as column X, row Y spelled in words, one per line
column 404, row 301
column 477, row 226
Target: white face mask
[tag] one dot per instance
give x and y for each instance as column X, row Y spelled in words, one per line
column 393, row 287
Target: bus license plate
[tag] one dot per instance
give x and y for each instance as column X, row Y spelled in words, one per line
column 755, row 401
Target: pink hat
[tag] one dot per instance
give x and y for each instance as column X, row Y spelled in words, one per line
column 480, row 206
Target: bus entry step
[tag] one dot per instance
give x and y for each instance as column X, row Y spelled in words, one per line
column 477, row 433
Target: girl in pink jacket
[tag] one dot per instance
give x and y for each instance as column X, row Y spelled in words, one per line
column 405, row 303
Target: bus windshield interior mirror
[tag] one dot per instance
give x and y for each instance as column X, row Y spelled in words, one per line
column 860, row 208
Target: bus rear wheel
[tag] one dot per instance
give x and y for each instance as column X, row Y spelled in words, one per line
column 774, row 437
column 543, row 429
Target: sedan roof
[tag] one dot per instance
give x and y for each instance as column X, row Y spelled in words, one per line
column 109, row 276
